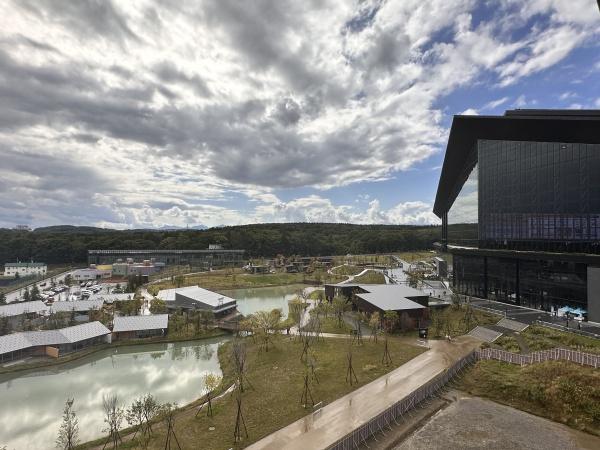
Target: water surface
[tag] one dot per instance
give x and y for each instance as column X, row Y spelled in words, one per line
column 31, row 402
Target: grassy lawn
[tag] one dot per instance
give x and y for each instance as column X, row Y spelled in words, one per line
column 508, row 343
column 370, row 277
column 223, row 280
column 415, row 256
column 331, row 325
column 561, row 391
column 277, row 380
column 455, row 321
column 543, row 338
column 347, row 270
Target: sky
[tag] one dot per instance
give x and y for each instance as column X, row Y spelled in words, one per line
column 150, row 114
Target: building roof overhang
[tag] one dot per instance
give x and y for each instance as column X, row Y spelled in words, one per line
column 569, row 126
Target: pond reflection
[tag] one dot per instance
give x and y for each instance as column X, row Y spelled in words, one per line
column 31, row 403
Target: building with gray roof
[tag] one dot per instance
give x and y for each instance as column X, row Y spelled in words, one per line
column 410, row 304
column 198, row 298
column 52, row 342
column 80, row 306
column 19, row 308
column 130, row 327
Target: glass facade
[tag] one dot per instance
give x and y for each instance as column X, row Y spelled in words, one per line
column 535, row 283
column 539, row 195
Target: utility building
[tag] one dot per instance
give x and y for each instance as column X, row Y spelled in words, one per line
column 530, row 182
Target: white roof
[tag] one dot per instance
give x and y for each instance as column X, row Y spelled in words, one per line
column 134, row 323
column 111, row 298
column 391, row 296
column 205, row 296
column 80, row 305
column 19, row 341
column 18, row 308
column 168, row 295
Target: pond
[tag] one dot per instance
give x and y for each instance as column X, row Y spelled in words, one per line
column 31, row 402
column 251, row 300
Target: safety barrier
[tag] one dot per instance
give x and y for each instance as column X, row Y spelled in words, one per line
column 555, row 354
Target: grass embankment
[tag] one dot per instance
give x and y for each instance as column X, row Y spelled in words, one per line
column 347, row 270
column 542, row 338
column 224, row 280
column 415, row 256
column 561, row 391
column 456, row 321
column 277, row 379
column 370, row 277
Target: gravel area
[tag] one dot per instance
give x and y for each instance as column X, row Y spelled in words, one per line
column 476, row 423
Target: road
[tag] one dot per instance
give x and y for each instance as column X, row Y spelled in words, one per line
column 337, row 419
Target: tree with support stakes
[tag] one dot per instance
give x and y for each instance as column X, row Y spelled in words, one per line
column 68, row 434
column 211, row 382
column 113, row 416
column 168, row 413
column 386, row 360
column 357, row 338
column 306, row 340
column 350, row 374
column 306, row 393
column 375, row 324
column 312, row 363
column 239, row 355
column 239, row 421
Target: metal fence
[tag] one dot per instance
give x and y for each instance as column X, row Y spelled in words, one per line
column 555, row 354
column 400, row 409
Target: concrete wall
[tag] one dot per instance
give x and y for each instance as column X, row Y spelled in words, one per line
column 593, row 293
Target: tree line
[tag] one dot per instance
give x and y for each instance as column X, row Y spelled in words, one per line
column 58, row 245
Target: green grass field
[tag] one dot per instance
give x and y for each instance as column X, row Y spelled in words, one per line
column 543, row 338
column 370, row 277
column 346, row 270
column 277, row 384
column 223, row 280
column 561, row 391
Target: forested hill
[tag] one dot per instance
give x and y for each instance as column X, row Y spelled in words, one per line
column 65, row 244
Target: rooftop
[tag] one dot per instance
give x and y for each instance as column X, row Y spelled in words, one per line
column 19, row 341
column 134, row 323
column 168, row 295
column 110, row 298
column 391, row 296
column 538, row 125
column 80, row 305
column 18, row 308
column 205, row 296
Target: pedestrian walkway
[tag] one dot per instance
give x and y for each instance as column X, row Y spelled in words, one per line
column 335, row 420
column 512, row 325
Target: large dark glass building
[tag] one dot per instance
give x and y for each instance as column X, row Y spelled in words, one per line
column 530, row 181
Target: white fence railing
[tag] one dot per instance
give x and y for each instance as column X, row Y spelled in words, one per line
column 555, row 354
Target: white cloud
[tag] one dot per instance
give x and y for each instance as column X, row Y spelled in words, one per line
column 167, row 113
column 470, row 112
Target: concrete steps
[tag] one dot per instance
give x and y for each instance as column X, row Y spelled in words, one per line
column 485, row 334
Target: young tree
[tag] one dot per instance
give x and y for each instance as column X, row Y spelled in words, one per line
column 158, row 306
column 239, row 355
column 375, row 325
column 179, row 280
column 113, row 417
column 68, row 434
column 26, row 295
column 168, row 411
column 391, row 319
column 340, row 306
column 150, row 409
column 135, row 415
column 2, row 298
column 211, row 382
column 266, row 323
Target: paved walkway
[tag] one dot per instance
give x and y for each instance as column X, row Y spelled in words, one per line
column 337, row 419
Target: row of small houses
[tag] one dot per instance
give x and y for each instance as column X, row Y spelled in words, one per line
column 55, row 343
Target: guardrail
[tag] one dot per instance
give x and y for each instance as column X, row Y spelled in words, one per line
column 397, row 411
column 555, row 354
column 558, row 327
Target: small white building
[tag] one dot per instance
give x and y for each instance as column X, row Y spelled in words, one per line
column 91, row 274
column 25, row 269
